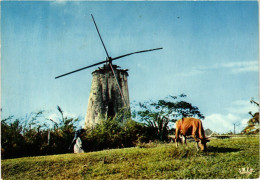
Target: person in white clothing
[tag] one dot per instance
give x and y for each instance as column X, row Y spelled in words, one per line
column 77, row 141
column 78, row 146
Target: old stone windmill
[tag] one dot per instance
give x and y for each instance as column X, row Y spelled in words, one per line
column 109, row 90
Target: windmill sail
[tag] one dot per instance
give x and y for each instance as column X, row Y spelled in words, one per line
column 106, row 61
column 100, row 36
column 106, row 90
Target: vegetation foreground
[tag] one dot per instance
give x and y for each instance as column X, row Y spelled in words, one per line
column 224, row 159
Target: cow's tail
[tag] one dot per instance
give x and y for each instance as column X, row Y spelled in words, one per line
column 177, row 131
column 201, row 131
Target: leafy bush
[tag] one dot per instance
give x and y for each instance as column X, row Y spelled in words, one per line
column 253, row 123
column 30, row 136
column 112, row 134
column 12, row 141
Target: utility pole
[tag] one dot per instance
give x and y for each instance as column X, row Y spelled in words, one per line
column 235, row 124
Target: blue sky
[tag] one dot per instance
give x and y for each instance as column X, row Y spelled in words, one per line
column 210, row 53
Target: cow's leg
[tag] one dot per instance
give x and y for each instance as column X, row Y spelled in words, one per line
column 197, row 146
column 176, row 142
column 197, row 141
column 184, row 140
column 194, row 134
column 177, row 138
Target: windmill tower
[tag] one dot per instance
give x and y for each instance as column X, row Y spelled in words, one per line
column 105, row 98
column 109, row 90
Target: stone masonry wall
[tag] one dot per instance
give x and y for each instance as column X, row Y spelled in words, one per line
column 105, row 99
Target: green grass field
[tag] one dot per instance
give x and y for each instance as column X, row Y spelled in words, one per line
column 223, row 160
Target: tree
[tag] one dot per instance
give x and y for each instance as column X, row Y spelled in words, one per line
column 21, row 136
column 31, row 135
column 62, row 133
column 12, row 141
column 159, row 115
column 253, row 123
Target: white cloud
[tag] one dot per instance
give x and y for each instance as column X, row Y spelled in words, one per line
column 221, row 123
column 55, row 116
column 244, row 66
column 192, row 72
column 244, row 122
column 237, row 114
column 242, row 107
column 232, row 67
column 59, row 2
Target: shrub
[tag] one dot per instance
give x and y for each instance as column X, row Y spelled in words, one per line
column 29, row 137
column 12, row 141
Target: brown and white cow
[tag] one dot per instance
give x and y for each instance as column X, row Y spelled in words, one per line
column 191, row 126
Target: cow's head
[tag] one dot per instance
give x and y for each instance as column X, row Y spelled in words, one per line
column 202, row 144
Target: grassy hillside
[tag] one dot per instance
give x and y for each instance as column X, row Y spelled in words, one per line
column 151, row 161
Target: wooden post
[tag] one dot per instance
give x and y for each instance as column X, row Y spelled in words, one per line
column 49, row 136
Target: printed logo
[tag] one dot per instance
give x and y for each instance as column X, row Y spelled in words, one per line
column 247, row 171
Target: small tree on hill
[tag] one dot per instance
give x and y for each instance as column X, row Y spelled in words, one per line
column 160, row 114
column 253, row 123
